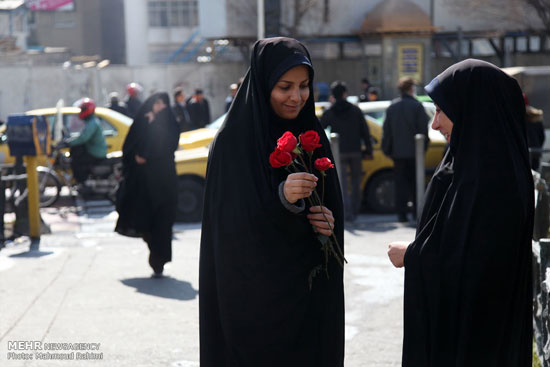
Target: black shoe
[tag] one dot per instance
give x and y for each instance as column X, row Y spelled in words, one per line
column 157, row 275
column 402, row 218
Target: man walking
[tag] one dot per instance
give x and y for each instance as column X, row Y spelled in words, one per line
column 405, row 118
column 199, row 110
column 180, row 110
column 347, row 120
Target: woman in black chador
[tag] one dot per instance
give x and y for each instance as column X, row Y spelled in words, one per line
column 147, row 200
column 468, row 294
column 258, row 243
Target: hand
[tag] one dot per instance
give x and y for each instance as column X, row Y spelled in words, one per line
column 298, row 186
column 396, row 253
column 140, row 160
column 321, row 219
column 60, row 145
column 150, row 116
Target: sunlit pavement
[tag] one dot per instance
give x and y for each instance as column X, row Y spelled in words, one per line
column 87, row 284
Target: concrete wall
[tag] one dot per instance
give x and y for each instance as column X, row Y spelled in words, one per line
column 25, row 88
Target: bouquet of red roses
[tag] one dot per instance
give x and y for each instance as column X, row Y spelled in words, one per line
column 289, row 153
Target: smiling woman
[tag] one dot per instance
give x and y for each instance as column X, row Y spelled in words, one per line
column 259, row 238
column 291, row 92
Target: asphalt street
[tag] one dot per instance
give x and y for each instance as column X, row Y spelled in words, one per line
column 87, row 295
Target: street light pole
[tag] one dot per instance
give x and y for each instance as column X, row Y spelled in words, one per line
column 261, row 19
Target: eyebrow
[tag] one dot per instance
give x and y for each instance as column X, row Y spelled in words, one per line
column 290, row 82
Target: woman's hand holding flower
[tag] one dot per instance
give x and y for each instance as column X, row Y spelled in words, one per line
column 298, row 186
column 321, row 219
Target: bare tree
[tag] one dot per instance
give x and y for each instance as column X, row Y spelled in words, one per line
column 511, row 12
column 298, row 12
column 542, row 8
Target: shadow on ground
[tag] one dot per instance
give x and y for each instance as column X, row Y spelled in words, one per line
column 166, row 287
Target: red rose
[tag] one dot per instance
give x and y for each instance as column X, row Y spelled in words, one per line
column 287, row 142
column 323, row 164
column 310, row 140
column 280, row 159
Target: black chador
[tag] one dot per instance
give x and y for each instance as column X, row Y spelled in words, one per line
column 256, row 308
column 147, row 199
column 468, row 293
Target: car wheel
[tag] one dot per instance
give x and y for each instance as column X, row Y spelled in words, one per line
column 190, row 198
column 381, row 193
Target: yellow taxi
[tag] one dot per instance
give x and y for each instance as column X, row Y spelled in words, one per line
column 115, row 127
column 377, row 183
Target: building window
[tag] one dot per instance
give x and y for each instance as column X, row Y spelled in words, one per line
column 173, row 13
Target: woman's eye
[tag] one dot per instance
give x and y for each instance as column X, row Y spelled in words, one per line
column 285, row 87
column 304, row 86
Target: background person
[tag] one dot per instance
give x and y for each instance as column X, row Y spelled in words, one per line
column 348, row 121
column 405, row 118
column 147, row 199
column 89, row 148
column 535, row 132
column 258, row 244
column 233, row 88
column 180, row 110
column 364, row 95
column 116, row 105
column 133, row 103
column 468, row 291
column 199, row 109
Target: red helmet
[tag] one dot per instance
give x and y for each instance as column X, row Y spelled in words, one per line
column 87, row 108
column 133, row 89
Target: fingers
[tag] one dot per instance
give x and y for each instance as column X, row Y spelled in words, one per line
column 302, row 176
column 321, row 219
column 298, row 186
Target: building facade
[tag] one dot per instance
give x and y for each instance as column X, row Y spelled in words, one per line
column 160, row 31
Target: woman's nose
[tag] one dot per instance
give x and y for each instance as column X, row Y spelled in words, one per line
column 435, row 123
column 295, row 95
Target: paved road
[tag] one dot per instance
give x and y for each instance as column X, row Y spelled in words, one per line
column 89, row 285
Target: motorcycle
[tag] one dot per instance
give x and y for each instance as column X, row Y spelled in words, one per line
column 102, row 182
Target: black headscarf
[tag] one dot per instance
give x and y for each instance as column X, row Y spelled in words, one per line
column 256, row 308
column 468, row 272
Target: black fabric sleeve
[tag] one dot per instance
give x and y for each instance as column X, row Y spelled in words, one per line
column 365, row 133
column 295, row 208
column 325, row 119
column 422, row 120
column 387, row 146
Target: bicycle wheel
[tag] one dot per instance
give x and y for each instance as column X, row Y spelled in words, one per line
column 49, row 187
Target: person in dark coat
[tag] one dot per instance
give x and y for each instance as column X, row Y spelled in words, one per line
column 180, row 111
column 365, row 85
column 348, row 121
column 258, row 243
column 233, row 88
column 468, row 279
column 199, row 109
column 133, row 103
column 116, row 105
column 535, row 132
column 147, row 199
column 405, row 118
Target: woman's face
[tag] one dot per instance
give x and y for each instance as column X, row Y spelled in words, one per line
column 290, row 93
column 442, row 123
column 158, row 106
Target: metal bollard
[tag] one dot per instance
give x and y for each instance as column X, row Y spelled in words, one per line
column 420, row 172
column 335, row 147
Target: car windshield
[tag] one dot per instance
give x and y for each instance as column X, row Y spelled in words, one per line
column 217, row 123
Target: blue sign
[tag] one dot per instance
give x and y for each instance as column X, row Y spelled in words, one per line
column 28, row 135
